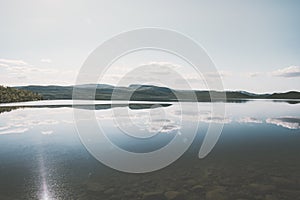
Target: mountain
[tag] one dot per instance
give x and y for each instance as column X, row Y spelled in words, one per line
column 51, row 91
column 286, row 95
column 8, row 94
column 146, row 93
column 103, row 92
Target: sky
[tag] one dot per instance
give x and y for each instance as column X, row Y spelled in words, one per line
column 254, row 44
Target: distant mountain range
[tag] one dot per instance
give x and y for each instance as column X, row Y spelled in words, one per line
column 147, row 93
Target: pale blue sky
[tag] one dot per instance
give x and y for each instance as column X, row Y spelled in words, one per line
column 255, row 43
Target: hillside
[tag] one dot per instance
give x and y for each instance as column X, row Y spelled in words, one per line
column 288, row 95
column 8, row 94
column 147, row 93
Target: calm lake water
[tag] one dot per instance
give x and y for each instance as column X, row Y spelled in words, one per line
column 256, row 156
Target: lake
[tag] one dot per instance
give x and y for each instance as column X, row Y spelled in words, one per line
column 256, row 156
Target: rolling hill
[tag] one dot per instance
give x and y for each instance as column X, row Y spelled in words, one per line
column 146, row 93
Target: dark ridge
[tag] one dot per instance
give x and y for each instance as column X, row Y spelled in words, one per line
column 137, row 92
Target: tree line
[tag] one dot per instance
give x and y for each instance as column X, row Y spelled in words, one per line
column 8, row 95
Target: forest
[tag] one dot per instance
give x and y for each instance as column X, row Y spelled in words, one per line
column 8, row 94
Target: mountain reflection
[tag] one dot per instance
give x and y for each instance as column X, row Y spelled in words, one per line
column 133, row 106
column 243, row 116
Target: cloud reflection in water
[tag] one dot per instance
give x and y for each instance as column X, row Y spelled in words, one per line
column 286, row 122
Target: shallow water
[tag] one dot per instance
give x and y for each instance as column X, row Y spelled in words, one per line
column 256, row 156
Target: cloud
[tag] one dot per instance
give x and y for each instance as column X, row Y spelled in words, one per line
column 19, row 72
column 254, row 74
column 173, row 75
column 46, row 60
column 4, row 65
column 161, row 64
column 292, row 71
column 250, row 120
column 286, row 122
column 13, row 62
column 18, row 66
column 157, row 73
column 221, row 74
column 88, row 20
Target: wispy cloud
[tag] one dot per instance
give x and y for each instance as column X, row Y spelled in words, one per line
column 18, row 66
column 4, row 65
column 221, row 74
column 158, row 73
column 46, row 60
column 19, row 72
column 13, row 62
column 254, row 74
column 292, row 71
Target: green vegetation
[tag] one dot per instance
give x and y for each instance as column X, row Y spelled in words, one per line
column 8, row 95
column 7, row 109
